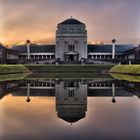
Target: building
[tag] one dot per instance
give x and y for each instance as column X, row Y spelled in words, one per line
column 71, row 40
column 38, row 53
column 8, row 55
column 133, row 53
column 2, row 53
column 71, row 47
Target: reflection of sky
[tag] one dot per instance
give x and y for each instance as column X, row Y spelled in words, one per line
column 37, row 19
column 38, row 119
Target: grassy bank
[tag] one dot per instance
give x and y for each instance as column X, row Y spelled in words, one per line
column 69, row 68
column 87, row 69
column 126, row 69
column 12, row 77
column 13, row 69
column 129, row 78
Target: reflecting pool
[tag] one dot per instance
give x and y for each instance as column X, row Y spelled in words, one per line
column 66, row 109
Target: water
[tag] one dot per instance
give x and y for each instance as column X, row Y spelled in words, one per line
column 56, row 109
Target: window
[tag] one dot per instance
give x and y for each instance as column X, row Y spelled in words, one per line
column 71, row 93
column 71, row 30
column 64, row 30
column 78, row 30
column 71, row 47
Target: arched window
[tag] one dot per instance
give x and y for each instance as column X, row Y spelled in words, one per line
column 71, row 93
column 71, row 47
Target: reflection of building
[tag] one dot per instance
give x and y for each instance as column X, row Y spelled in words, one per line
column 71, row 95
column 71, row 100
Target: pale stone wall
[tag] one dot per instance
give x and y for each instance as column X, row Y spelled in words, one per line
column 71, row 34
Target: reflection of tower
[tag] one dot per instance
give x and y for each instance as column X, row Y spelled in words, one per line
column 28, row 93
column 71, row 100
column 113, row 93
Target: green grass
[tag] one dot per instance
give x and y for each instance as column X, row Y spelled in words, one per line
column 126, row 69
column 12, row 77
column 68, row 68
column 126, row 77
column 68, row 76
column 11, row 69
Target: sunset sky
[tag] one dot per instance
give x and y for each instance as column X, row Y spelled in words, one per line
column 37, row 19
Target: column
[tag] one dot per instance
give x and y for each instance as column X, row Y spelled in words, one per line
column 113, row 48
column 28, row 49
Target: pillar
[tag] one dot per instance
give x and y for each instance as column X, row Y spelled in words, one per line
column 28, row 49
column 113, row 48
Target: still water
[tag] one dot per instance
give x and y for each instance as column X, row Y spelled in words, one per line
column 66, row 109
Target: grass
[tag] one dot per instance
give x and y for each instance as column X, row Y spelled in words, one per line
column 68, row 76
column 68, row 68
column 125, row 77
column 12, row 69
column 126, row 69
column 12, row 77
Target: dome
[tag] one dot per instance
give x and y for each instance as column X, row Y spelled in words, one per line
column 71, row 21
column 71, row 115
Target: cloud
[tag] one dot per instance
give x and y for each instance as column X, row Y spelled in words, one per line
column 38, row 18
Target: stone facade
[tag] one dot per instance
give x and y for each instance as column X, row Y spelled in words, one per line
column 71, row 41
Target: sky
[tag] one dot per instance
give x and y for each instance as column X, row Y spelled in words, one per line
column 37, row 19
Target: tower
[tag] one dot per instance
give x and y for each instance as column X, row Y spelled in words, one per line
column 71, row 41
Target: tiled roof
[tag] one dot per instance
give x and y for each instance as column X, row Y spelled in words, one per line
column 91, row 48
column 71, row 21
column 35, row 48
column 108, row 48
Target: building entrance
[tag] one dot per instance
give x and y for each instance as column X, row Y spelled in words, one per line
column 70, row 58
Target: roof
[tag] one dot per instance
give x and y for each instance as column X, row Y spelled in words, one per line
column 108, row 48
column 35, row 48
column 1, row 45
column 71, row 21
column 132, row 50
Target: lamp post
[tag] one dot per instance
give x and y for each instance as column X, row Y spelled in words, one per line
column 28, row 48
column 113, row 48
